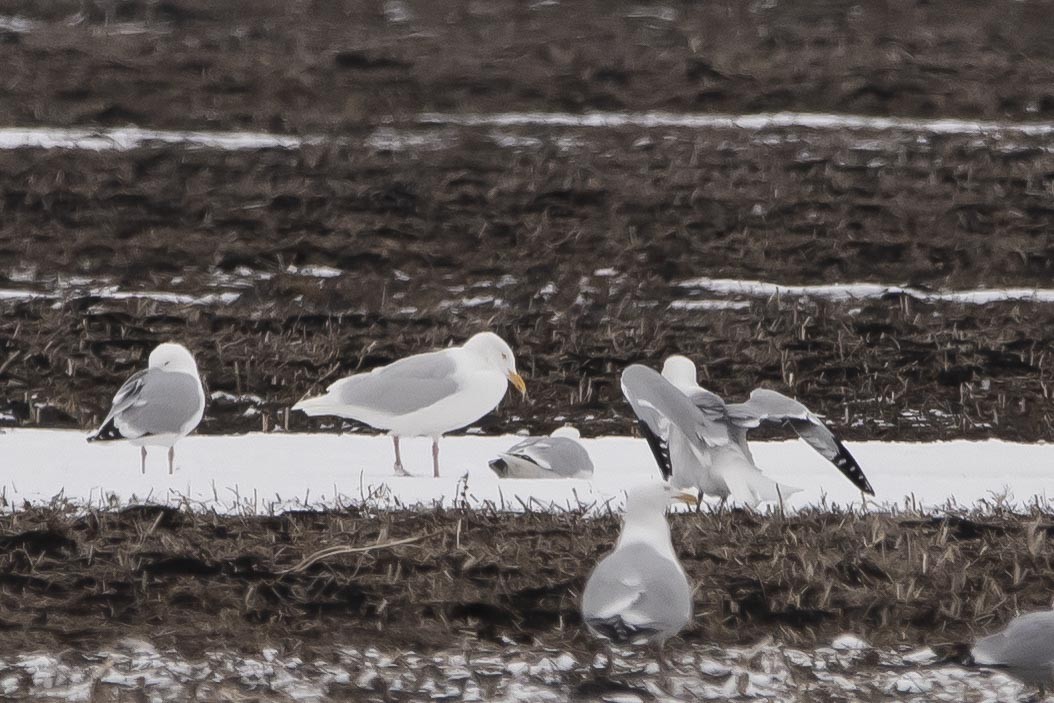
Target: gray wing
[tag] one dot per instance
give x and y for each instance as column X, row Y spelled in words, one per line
column 165, row 404
column 765, row 406
column 152, row 402
column 660, row 406
column 127, row 395
column 561, row 455
column 1026, row 643
column 401, row 387
column 636, row 594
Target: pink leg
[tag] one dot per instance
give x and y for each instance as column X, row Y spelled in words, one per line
column 171, row 458
column 399, row 470
column 435, row 457
column 142, row 459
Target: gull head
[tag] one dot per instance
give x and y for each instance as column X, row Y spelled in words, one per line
column 496, row 353
column 644, row 520
column 679, row 370
column 652, row 499
column 567, row 431
column 173, row 357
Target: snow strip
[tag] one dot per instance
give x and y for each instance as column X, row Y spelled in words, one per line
column 854, row 291
column 386, row 137
column 115, row 294
column 761, row 121
column 262, row 473
column 125, row 138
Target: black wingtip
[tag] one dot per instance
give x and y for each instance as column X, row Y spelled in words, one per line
column 659, row 449
column 619, row 631
column 851, row 469
column 106, row 433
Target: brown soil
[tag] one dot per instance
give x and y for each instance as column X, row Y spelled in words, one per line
column 527, row 232
column 314, row 66
column 189, row 581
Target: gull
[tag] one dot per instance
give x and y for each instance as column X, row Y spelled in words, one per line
column 157, row 406
column 692, row 443
column 425, row 394
column 639, row 593
column 560, row 455
column 1025, row 649
column 764, row 407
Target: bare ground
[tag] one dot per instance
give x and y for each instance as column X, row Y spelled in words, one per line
column 188, row 581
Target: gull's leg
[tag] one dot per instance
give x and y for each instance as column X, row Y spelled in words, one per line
column 171, row 458
column 699, row 505
column 399, row 470
column 142, row 459
column 435, row 457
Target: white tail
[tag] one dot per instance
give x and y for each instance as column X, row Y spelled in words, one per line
column 321, row 405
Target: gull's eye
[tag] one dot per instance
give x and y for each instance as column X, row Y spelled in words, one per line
column 505, row 356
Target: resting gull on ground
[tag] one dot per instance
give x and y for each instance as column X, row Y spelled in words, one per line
column 425, row 394
column 639, row 593
column 764, row 407
column 560, row 455
column 158, row 405
column 1025, row 649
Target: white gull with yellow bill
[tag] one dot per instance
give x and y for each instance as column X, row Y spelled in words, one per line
column 425, row 395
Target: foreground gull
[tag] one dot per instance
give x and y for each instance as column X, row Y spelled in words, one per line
column 763, row 407
column 639, row 593
column 560, row 455
column 425, row 394
column 1025, row 649
column 158, row 405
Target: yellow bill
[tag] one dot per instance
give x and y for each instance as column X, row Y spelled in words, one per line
column 686, row 497
column 517, row 381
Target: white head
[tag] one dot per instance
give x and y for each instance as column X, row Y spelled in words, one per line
column 494, row 352
column 566, row 431
column 644, row 519
column 679, row 370
column 173, row 357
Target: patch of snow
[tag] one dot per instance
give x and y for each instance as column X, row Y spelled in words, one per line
column 125, row 138
column 226, row 473
column 849, row 643
column 752, row 122
column 709, row 305
column 18, row 25
column 855, row 291
column 314, row 271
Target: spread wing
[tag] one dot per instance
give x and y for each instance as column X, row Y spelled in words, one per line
column 770, row 407
column 660, row 407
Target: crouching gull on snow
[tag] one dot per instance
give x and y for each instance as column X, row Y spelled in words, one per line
column 1025, row 649
column 158, row 405
column 763, row 407
column 425, row 394
column 639, row 593
column 560, row 455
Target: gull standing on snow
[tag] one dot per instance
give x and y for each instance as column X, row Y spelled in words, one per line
column 763, row 407
column 425, row 394
column 1025, row 649
column 159, row 405
column 639, row 593
column 692, row 443
column 560, row 455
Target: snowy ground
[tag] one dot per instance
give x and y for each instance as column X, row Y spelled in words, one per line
column 847, row 670
column 261, row 473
